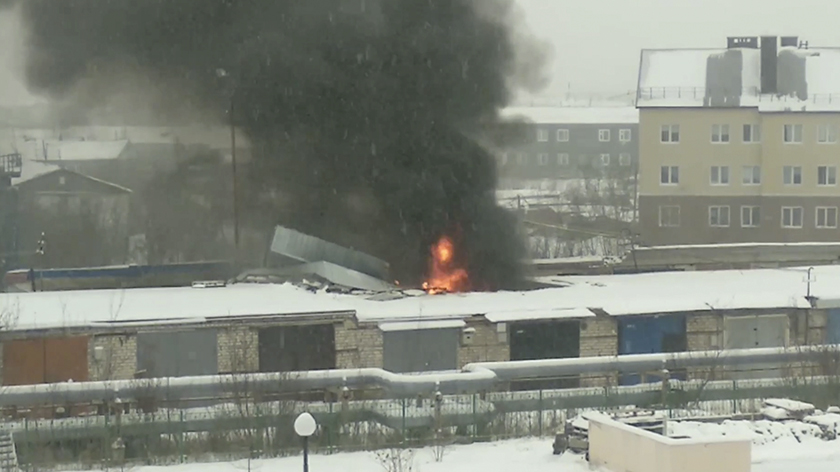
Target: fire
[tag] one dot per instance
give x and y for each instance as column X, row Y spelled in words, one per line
column 444, row 274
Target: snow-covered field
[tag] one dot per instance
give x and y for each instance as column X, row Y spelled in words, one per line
column 776, row 447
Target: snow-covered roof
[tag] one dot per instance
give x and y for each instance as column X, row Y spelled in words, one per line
column 32, row 169
column 572, row 115
column 574, row 297
column 678, row 78
column 56, row 151
column 78, row 308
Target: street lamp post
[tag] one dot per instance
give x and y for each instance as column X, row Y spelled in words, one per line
column 223, row 74
column 305, row 427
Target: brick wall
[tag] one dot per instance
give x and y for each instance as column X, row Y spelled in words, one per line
column 357, row 346
column 704, row 332
column 487, row 344
column 238, row 349
column 598, row 337
column 112, row 357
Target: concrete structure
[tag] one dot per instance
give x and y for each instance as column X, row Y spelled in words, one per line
column 739, row 144
column 623, row 448
column 564, row 142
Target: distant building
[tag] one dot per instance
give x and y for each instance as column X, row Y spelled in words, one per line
column 569, row 142
column 739, row 144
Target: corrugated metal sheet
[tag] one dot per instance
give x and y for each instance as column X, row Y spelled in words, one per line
column 296, row 246
column 320, row 271
column 752, row 332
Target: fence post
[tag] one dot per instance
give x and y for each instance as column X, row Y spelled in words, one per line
column 403, row 421
column 475, row 415
column 540, row 413
column 734, row 401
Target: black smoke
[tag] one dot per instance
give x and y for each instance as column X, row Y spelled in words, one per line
column 363, row 113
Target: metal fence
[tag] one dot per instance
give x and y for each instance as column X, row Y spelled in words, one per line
column 235, row 428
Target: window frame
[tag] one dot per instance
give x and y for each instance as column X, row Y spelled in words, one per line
column 754, row 131
column 667, row 208
column 753, row 181
column 825, row 210
column 753, row 223
column 542, row 135
column 794, row 127
column 604, row 135
column 826, row 134
column 720, row 174
column 718, row 133
column 671, row 132
column 560, row 158
column 542, row 159
column 605, row 158
column 718, row 208
column 828, row 173
column 625, row 135
column 792, row 209
column 565, row 132
column 625, row 159
column 670, row 180
column 793, row 175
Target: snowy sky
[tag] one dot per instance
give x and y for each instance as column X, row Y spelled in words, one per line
column 596, row 42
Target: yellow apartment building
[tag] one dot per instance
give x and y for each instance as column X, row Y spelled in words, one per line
column 739, row 144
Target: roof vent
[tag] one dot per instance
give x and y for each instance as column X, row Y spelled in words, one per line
column 209, row 284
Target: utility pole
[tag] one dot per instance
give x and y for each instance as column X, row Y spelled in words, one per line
column 233, row 169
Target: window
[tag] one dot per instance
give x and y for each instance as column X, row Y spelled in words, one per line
column 793, row 134
column 719, row 216
column 791, row 217
column 669, row 175
column 720, row 133
column 563, row 159
column 542, row 159
column 624, row 159
column 826, row 217
column 720, row 175
column 605, row 159
column 826, row 175
column 752, row 134
column 827, row 134
column 752, row 175
column 750, row 216
column 603, row 135
column 792, row 175
column 521, row 158
column 669, row 216
column 670, row 134
column 625, row 135
column 562, row 135
column 542, row 135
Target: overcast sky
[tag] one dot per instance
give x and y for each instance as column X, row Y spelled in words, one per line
column 597, row 42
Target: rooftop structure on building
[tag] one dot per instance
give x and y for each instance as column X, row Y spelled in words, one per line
column 770, row 73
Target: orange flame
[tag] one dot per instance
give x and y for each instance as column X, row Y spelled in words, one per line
column 444, row 275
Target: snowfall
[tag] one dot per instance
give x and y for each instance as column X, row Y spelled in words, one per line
column 777, row 447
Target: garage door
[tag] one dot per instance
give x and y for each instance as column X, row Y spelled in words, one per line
column 833, row 327
column 45, row 360
column 752, row 332
column 178, row 353
column 651, row 335
column 421, row 347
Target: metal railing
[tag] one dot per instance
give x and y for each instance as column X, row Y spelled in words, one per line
column 700, row 93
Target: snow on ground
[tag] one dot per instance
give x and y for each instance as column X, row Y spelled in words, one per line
column 776, row 447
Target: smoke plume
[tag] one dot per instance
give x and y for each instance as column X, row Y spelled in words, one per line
column 361, row 111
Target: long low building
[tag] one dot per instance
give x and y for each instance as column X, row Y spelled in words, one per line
column 122, row 334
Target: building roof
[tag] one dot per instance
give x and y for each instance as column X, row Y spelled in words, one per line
column 678, row 78
column 572, row 115
column 57, row 151
column 573, row 297
column 83, row 308
column 102, row 183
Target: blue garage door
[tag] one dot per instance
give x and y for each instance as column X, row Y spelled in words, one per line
column 650, row 335
column 833, row 327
